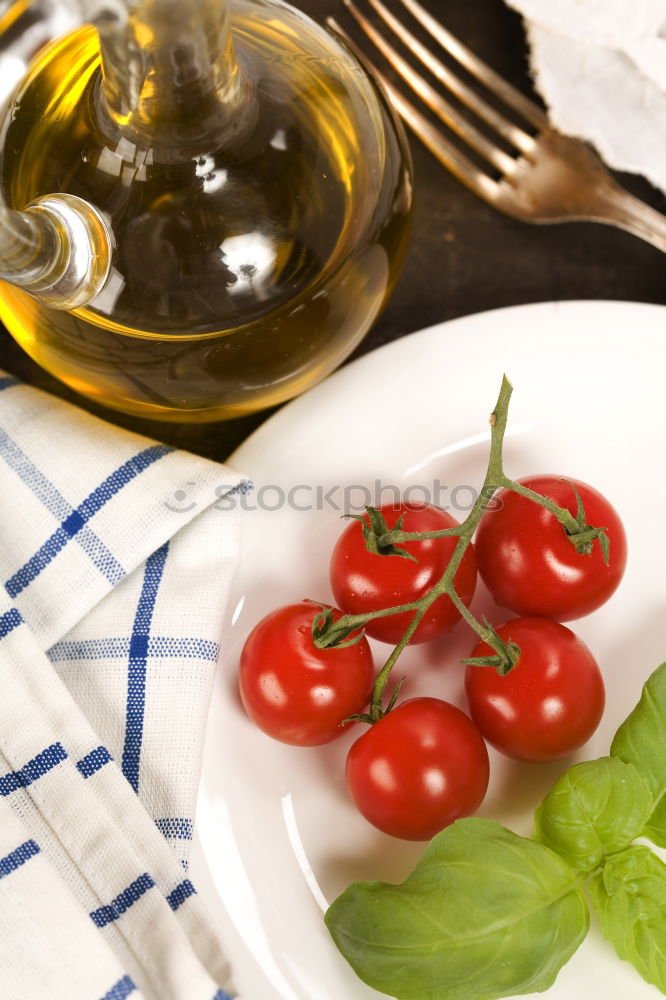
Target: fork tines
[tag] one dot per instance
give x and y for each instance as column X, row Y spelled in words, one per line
column 456, row 160
column 510, row 154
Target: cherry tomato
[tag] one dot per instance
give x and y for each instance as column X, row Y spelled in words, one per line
column 528, row 562
column 363, row 581
column 549, row 704
column 419, row 768
column 294, row 691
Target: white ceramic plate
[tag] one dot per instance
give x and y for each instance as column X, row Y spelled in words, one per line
column 278, row 837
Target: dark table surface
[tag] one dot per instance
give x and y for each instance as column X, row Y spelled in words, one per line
column 464, row 257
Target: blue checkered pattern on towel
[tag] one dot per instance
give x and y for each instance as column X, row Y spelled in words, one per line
column 109, row 635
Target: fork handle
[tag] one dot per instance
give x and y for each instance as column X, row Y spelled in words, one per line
column 617, row 207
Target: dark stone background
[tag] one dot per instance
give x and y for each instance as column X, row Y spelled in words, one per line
column 464, row 257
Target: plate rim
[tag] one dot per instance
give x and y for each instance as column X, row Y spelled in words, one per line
column 253, row 445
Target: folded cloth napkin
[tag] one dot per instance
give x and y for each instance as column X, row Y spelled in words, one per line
column 117, row 555
column 600, row 65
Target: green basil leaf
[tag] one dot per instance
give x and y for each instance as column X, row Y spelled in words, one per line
column 485, row 914
column 641, row 738
column 595, row 808
column 641, row 741
column 629, row 895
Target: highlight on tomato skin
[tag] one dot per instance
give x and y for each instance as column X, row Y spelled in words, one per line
column 422, row 766
column 364, row 581
column 292, row 690
column 529, row 564
column 549, row 704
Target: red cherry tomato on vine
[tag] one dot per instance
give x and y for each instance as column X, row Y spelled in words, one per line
column 530, row 565
column 549, row 704
column 363, row 581
column 295, row 692
column 418, row 769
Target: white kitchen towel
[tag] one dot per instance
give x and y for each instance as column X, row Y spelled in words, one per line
column 600, row 66
column 117, row 555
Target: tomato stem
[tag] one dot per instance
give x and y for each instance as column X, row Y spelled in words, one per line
column 445, row 585
column 505, row 655
column 581, row 534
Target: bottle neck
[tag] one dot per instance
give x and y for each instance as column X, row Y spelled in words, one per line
column 169, row 71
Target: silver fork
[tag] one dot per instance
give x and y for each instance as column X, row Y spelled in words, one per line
column 551, row 177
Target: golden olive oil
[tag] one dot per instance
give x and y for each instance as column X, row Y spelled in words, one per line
column 242, row 274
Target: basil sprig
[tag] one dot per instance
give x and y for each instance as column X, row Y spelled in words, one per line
column 487, row 914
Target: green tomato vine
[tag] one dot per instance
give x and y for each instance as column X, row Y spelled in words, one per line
column 387, row 542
